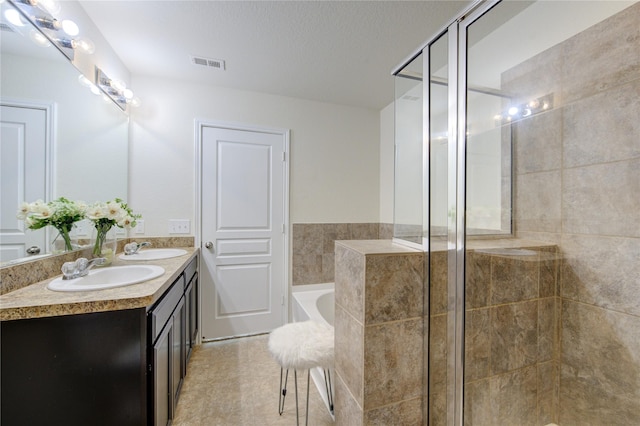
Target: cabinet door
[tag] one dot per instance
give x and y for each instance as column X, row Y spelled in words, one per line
column 191, row 303
column 187, row 327
column 162, row 376
column 177, row 350
column 193, row 313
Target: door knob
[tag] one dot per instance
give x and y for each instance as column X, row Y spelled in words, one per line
column 33, row 250
column 208, row 245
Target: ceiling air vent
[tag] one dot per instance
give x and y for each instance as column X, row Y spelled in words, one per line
column 217, row 64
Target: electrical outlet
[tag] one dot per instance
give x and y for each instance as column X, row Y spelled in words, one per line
column 139, row 229
column 179, row 226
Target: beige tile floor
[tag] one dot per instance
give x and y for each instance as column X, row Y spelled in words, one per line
column 235, row 383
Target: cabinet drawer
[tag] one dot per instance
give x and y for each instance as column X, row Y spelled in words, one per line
column 162, row 312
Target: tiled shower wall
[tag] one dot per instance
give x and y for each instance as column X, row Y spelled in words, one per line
column 511, row 336
column 577, row 184
column 313, row 247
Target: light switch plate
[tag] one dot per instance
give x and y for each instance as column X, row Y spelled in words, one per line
column 179, row 226
column 139, row 229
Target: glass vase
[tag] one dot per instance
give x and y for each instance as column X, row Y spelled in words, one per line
column 61, row 241
column 104, row 243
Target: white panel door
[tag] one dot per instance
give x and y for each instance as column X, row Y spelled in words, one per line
column 23, row 168
column 243, row 219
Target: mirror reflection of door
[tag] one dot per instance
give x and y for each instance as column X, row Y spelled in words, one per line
column 24, row 168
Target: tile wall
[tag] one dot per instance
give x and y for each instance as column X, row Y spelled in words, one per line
column 511, row 339
column 577, row 172
column 313, row 247
column 379, row 333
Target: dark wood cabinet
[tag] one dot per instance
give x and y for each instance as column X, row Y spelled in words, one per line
column 122, row 367
column 170, row 323
column 162, row 402
column 191, row 315
column 87, row 369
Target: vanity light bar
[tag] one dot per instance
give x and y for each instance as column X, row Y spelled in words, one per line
column 62, row 33
column 116, row 90
column 521, row 111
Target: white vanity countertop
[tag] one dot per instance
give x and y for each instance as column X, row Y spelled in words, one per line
column 36, row 300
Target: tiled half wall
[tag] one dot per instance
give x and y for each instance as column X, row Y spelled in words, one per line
column 313, row 247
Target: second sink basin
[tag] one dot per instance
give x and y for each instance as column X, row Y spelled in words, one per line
column 109, row 277
column 154, row 254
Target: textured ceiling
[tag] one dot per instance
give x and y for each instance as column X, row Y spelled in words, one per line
column 339, row 52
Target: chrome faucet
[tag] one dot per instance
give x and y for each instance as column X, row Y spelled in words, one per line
column 80, row 268
column 132, row 248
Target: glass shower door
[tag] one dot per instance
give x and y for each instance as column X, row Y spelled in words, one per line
column 546, row 89
column 409, row 140
column 440, row 322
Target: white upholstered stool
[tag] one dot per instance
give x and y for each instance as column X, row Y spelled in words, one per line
column 301, row 346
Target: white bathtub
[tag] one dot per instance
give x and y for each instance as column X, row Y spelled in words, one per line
column 315, row 302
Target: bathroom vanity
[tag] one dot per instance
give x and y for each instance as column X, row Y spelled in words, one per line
column 108, row 357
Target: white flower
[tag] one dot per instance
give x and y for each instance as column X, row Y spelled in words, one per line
column 96, row 211
column 114, row 210
column 82, row 206
column 28, row 221
column 44, row 211
column 126, row 222
column 23, row 211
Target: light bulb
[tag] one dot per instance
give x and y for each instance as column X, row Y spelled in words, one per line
column 128, row 94
column 94, row 89
column 84, row 45
column 135, row 102
column 70, row 28
column 119, row 85
column 13, row 16
column 513, row 110
column 39, row 39
column 84, row 81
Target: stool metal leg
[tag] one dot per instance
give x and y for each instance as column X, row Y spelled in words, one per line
column 283, row 394
column 295, row 376
column 306, row 420
column 327, row 384
column 283, row 390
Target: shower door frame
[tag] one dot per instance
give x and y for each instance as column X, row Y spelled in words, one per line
column 456, row 286
column 456, row 181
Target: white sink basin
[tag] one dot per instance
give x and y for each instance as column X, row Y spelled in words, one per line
column 109, row 277
column 154, row 254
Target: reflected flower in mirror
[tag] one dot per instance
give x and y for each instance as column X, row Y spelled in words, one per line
column 60, row 213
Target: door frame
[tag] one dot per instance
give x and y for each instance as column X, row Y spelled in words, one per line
column 199, row 124
column 49, row 109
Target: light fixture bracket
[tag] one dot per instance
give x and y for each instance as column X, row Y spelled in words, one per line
column 107, row 86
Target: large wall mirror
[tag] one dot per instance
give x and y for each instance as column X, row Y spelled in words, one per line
column 58, row 138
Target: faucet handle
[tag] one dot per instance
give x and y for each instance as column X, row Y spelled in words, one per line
column 130, row 248
column 82, row 264
column 69, row 269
